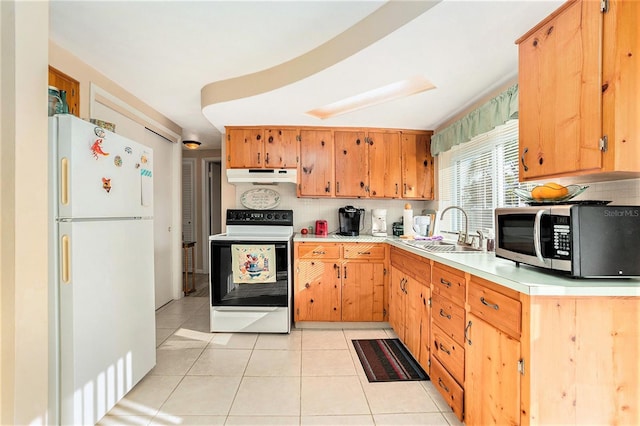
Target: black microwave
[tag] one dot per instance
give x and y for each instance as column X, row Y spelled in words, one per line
column 586, row 241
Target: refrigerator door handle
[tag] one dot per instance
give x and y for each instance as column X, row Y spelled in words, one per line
column 64, row 181
column 66, row 259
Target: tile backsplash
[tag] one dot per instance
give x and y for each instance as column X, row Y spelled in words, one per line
column 620, row 192
column 307, row 210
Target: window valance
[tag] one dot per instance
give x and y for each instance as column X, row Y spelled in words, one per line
column 494, row 113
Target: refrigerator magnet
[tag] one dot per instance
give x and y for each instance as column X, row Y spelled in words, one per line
column 117, row 161
column 96, row 149
column 128, row 150
column 99, row 131
column 106, row 184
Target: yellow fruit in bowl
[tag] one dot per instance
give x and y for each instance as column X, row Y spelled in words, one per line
column 549, row 191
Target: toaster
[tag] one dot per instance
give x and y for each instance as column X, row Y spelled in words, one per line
column 321, row 228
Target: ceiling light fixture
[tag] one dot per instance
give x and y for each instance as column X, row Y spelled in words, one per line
column 399, row 89
column 191, row 144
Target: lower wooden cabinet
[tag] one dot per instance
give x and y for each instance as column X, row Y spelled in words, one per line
column 492, row 382
column 340, row 282
column 451, row 391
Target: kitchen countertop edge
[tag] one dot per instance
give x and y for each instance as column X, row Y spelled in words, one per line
column 525, row 279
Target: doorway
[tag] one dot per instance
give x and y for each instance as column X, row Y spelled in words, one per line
column 212, row 210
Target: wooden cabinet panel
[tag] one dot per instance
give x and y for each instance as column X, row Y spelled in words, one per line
column 351, row 164
column 495, row 308
column 72, row 86
column 449, row 283
column 560, row 94
column 317, row 295
column 363, row 291
column 385, row 166
column 449, row 317
column 397, row 302
column 364, row 251
column 416, row 266
column 621, row 83
column 449, row 353
column 315, row 177
column 318, row 251
column 244, row 148
column 492, row 382
column 451, row 391
column 280, row 148
column 412, row 316
column 425, row 328
column 417, row 166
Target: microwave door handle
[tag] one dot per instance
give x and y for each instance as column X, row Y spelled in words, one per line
column 536, row 235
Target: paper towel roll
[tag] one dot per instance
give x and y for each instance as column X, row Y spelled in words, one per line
column 407, row 221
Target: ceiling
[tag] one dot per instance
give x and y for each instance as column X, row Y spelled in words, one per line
column 166, row 52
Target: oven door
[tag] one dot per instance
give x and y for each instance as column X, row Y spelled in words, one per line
column 250, row 273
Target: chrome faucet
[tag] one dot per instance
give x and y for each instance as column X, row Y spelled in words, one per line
column 466, row 223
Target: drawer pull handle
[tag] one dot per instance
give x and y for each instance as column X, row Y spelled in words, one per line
column 445, row 350
column 444, row 314
column 491, row 305
column 319, row 252
column 466, row 333
column 364, row 252
column 445, row 282
column 442, row 385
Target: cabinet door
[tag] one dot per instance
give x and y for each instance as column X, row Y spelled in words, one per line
column 620, row 82
column 397, row 302
column 281, row 148
column 385, row 169
column 70, row 85
column 362, row 291
column 244, row 148
column 412, row 317
column 315, row 176
column 425, row 328
column 560, row 94
column 352, row 165
column 317, row 295
column 492, row 381
column 417, row 166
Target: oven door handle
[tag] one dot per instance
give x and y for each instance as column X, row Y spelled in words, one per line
column 537, row 246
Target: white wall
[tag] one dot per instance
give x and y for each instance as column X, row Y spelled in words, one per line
column 24, row 213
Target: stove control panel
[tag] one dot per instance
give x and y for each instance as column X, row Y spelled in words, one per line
column 260, row 217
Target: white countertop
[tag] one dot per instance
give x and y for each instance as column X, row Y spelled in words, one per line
column 525, row 279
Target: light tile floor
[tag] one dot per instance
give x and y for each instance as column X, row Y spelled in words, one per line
column 308, row 377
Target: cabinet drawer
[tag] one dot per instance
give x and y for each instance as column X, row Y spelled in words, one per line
column 416, row 266
column 449, row 317
column 449, row 353
column 449, row 283
column 499, row 310
column 451, row 391
column 318, row 251
column 364, row 251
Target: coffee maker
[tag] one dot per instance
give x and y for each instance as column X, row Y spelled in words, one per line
column 379, row 222
column 350, row 219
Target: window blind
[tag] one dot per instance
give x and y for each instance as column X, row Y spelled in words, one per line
column 479, row 176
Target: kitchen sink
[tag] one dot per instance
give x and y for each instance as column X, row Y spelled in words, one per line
column 441, row 247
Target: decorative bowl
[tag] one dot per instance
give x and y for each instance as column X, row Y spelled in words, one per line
column 525, row 194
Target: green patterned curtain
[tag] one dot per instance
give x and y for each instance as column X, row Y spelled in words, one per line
column 494, row 113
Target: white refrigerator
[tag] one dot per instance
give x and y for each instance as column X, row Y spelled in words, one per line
column 102, row 276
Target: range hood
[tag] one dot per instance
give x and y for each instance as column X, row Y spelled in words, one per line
column 262, row 175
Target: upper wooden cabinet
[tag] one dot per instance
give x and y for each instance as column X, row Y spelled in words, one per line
column 68, row 84
column 256, row 147
column 417, row 166
column 385, row 165
column 315, row 176
column 578, row 80
column 352, row 164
